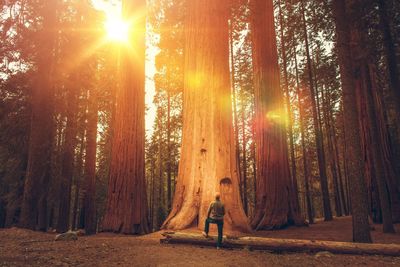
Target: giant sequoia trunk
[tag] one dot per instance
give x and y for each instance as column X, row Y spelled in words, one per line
column 34, row 203
column 276, row 204
column 126, row 210
column 208, row 158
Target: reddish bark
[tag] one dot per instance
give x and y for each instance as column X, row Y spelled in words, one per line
column 276, row 199
column 208, row 157
column 356, row 180
column 126, row 208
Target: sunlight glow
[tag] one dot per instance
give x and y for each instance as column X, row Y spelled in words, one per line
column 117, row 29
column 277, row 116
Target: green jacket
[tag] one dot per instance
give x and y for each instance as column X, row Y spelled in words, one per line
column 216, row 210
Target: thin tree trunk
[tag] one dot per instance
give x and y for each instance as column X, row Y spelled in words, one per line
column 310, row 212
column 318, row 133
column 90, row 164
column 244, row 151
column 332, row 159
column 67, row 164
column 169, row 180
column 152, row 194
column 160, row 199
column 340, row 173
column 78, row 178
column 288, row 107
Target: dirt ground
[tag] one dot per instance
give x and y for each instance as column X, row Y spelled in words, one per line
column 19, row 247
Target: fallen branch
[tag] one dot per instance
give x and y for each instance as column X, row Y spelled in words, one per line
column 283, row 245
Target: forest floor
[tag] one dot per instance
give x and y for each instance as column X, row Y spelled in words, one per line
column 19, row 247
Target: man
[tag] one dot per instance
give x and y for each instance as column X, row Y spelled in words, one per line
column 215, row 214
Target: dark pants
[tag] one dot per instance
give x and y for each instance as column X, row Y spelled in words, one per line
column 220, row 225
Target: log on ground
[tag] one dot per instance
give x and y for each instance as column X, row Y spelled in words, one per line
column 283, row 245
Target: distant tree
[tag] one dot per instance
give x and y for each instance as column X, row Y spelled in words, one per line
column 317, row 124
column 34, row 204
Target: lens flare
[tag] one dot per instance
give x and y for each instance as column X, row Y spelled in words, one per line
column 117, row 29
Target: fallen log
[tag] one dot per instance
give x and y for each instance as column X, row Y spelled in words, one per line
column 283, row 245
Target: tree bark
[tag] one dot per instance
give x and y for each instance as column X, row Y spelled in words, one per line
column 357, row 187
column 126, row 208
column 276, row 199
column 208, row 158
column 376, row 152
column 235, row 116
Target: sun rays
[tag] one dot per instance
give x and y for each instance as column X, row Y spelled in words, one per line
column 117, row 30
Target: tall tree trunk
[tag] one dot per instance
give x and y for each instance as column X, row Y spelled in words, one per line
column 169, row 179
column 357, row 187
column 331, row 157
column 90, row 164
column 390, row 54
column 126, row 208
column 253, row 155
column 34, row 203
column 340, row 173
column 244, row 155
column 345, row 164
column 160, row 198
column 318, row 132
column 235, row 116
column 310, row 212
column 78, row 179
column 152, row 194
column 276, row 204
column 367, row 87
column 68, row 156
column 288, row 107
column 208, row 157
